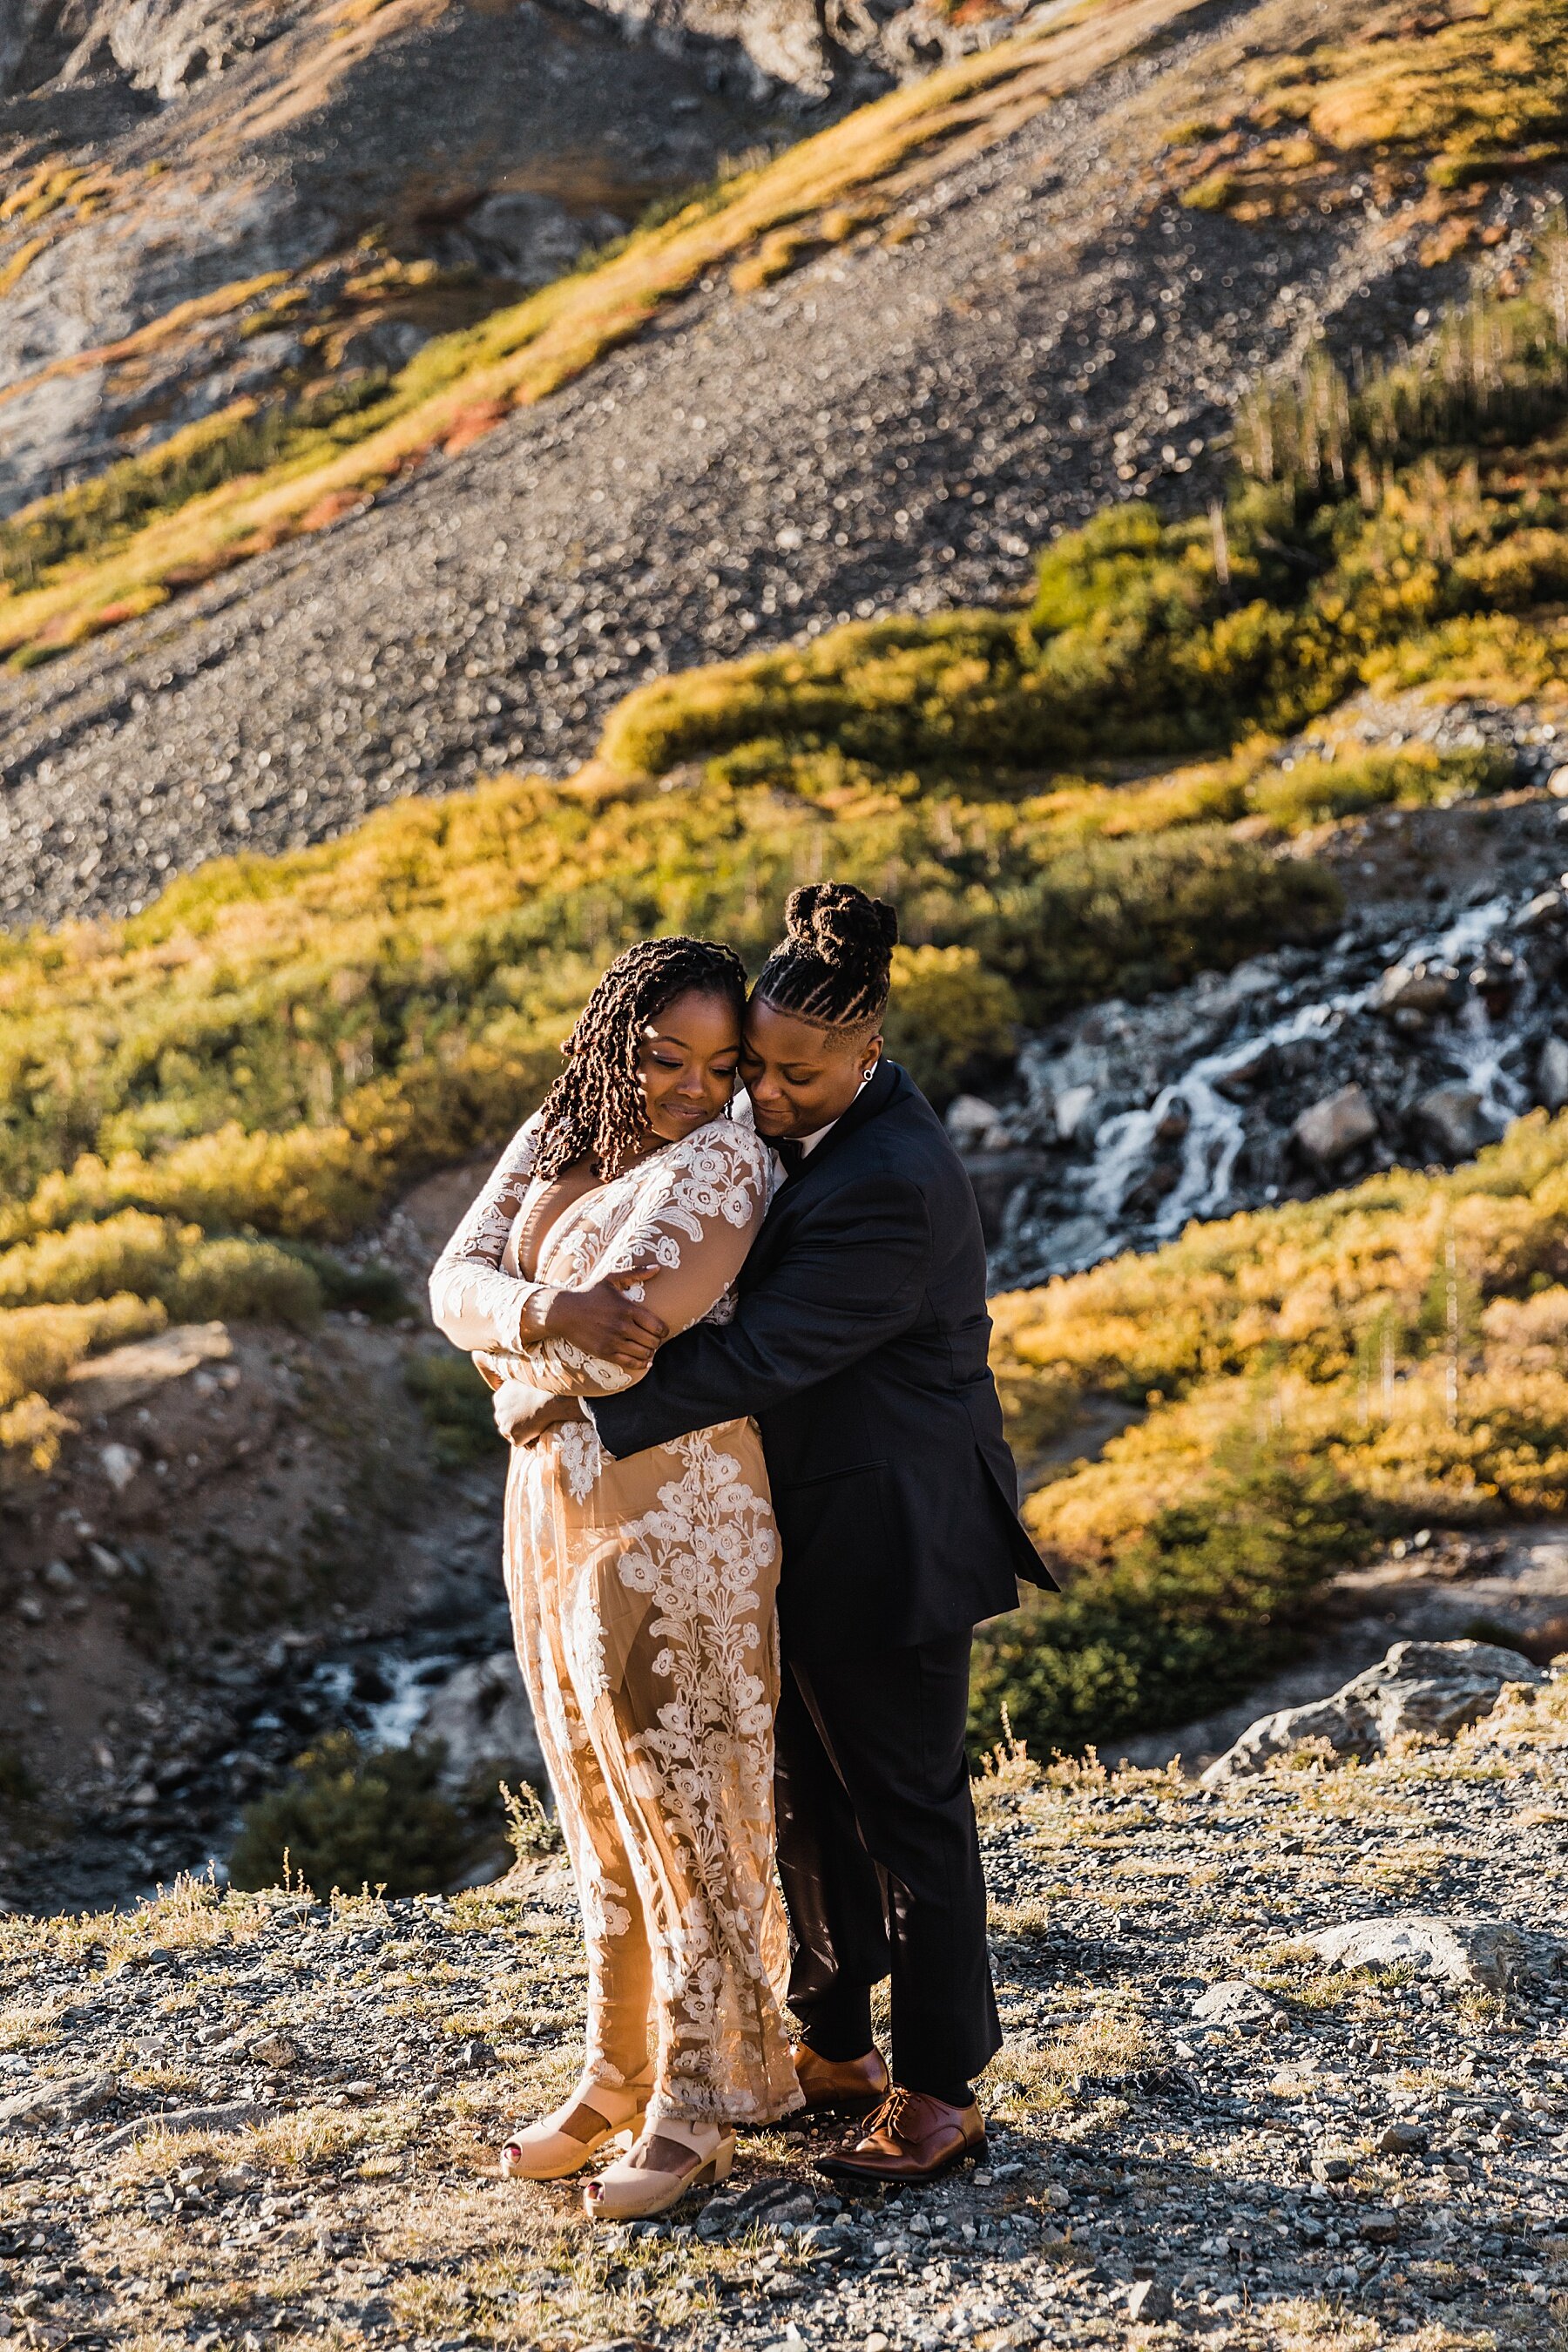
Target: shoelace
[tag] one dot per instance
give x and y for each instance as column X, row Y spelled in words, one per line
column 891, row 2111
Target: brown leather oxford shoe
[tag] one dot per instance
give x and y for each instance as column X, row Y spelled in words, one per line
column 848, row 2083
column 912, row 2137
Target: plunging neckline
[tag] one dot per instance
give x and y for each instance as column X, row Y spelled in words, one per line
column 589, row 1193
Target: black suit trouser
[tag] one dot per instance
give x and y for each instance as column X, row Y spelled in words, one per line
column 879, row 1855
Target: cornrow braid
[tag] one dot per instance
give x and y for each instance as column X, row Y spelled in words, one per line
column 833, row 964
column 594, row 1110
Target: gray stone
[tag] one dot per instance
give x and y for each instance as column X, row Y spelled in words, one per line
column 1329, row 1129
column 1077, row 1113
column 975, row 1125
column 54, row 2103
column 1425, row 988
column 1546, row 907
column 1436, row 1687
column 1454, row 1118
column 1485, row 1952
column 1235, row 2003
column 483, row 1717
column 232, row 2115
column 1330, row 2168
column 1552, row 1072
column 1149, row 2299
column 1402, row 2139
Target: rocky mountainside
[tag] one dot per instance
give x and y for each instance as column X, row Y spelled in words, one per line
column 161, row 154
column 898, row 421
column 167, row 162
column 1286, row 2069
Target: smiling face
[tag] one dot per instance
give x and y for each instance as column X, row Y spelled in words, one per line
column 687, row 1059
column 800, row 1076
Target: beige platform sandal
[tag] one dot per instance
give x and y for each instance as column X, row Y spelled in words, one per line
column 671, row 2158
column 570, row 2137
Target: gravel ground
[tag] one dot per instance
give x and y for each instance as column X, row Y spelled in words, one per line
column 893, row 427
column 1341, row 2159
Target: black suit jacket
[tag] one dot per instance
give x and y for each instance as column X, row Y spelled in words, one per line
column 860, row 1345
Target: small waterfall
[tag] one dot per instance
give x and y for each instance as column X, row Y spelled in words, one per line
column 1147, row 1117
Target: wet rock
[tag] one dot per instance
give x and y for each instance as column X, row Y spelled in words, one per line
column 1454, row 1118
column 1076, row 1112
column 483, row 1717
column 1435, row 1688
column 1329, row 1130
column 1545, row 907
column 1552, row 1072
column 1485, row 1952
column 1425, row 988
column 976, row 1125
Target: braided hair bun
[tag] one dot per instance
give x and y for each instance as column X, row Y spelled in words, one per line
column 832, row 965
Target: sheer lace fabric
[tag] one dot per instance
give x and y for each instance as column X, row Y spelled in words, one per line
column 642, row 1595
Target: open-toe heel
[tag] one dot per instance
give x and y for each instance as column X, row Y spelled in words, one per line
column 572, row 2136
column 671, row 2164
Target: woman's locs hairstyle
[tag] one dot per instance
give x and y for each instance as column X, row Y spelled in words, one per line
column 594, row 1110
column 833, row 963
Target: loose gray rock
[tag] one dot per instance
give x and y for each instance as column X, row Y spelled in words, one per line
column 1551, row 1076
column 975, row 1125
column 57, row 2102
column 1150, row 2300
column 1435, row 1688
column 1236, row 2003
column 483, row 1717
column 1455, row 1118
column 1485, row 1952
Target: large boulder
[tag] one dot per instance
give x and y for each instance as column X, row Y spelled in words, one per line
column 1454, row 1119
column 1485, row 1952
column 1329, row 1130
column 1435, row 1688
column 484, row 1719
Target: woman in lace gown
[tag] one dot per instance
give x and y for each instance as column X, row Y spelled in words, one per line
column 642, row 1590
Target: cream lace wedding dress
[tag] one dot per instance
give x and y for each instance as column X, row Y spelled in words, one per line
column 642, row 1596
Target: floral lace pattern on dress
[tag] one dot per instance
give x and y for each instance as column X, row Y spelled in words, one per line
column 643, row 1597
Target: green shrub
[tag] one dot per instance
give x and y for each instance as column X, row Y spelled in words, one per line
column 950, row 1021
column 455, row 1404
column 353, row 1817
column 197, row 1280
column 1191, row 1612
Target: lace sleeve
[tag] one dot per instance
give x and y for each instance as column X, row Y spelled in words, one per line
column 474, row 1303
column 697, row 1210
